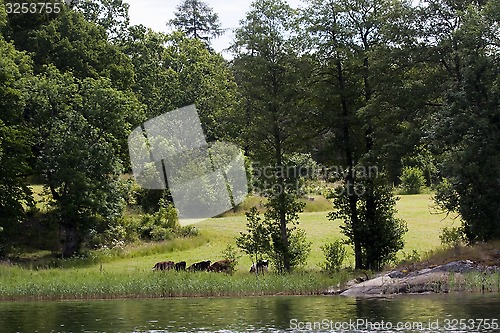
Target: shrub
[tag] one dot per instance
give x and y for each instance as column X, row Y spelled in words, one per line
column 335, row 254
column 292, row 252
column 188, row 231
column 158, row 233
column 299, row 248
column 451, row 237
column 232, row 255
column 410, row 258
column 161, row 225
column 255, row 242
column 412, row 180
column 379, row 234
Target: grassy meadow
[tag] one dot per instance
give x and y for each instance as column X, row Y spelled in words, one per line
column 126, row 272
column 424, row 227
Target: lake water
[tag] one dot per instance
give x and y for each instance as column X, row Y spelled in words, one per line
column 425, row 313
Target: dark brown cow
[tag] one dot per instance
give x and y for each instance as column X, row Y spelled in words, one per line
column 221, row 266
column 200, row 266
column 164, row 266
column 180, row 266
column 261, row 266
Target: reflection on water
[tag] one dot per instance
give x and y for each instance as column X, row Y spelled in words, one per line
column 258, row 314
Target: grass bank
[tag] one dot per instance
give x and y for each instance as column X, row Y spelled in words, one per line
column 59, row 284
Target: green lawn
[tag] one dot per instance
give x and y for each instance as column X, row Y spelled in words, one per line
column 423, row 235
column 424, row 226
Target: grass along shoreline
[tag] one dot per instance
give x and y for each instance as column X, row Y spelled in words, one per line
column 93, row 284
column 19, row 284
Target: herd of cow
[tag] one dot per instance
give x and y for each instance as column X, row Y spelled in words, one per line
column 219, row 266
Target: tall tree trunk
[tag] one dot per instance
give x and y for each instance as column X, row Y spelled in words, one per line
column 371, row 205
column 71, row 240
column 351, row 177
column 281, row 173
column 281, row 196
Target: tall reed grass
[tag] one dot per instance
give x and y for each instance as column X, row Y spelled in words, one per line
column 475, row 282
column 55, row 284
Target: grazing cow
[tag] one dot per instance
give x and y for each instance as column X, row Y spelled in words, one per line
column 221, row 266
column 260, row 267
column 163, row 266
column 199, row 266
column 180, row 266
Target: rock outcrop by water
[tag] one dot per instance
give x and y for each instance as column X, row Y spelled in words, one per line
column 428, row 280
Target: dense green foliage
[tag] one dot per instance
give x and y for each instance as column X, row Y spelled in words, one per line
column 15, row 141
column 412, row 180
column 380, row 237
column 467, row 122
column 335, row 254
column 255, row 241
column 264, row 238
column 352, row 96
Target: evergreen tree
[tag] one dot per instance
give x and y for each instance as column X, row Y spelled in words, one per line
column 197, row 20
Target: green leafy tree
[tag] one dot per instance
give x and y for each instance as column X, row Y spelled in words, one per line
column 289, row 249
column 19, row 26
column 113, row 111
column 112, row 15
column 380, row 238
column 173, row 71
column 197, row 20
column 347, row 38
column 3, row 17
column 156, row 83
column 15, row 141
column 82, row 175
column 335, row 255
column 463, row 46
column 255, row 242
column 270, row 71
column 412, row 180
column 423, row 159
column 73, row 44
column 80, row 136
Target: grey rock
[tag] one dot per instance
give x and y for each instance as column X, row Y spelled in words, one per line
column 428, row 280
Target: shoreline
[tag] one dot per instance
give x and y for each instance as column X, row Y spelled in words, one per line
column 454, row 277
column 91, row 284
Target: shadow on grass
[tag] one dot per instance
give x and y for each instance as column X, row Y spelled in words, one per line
column 33, row 259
